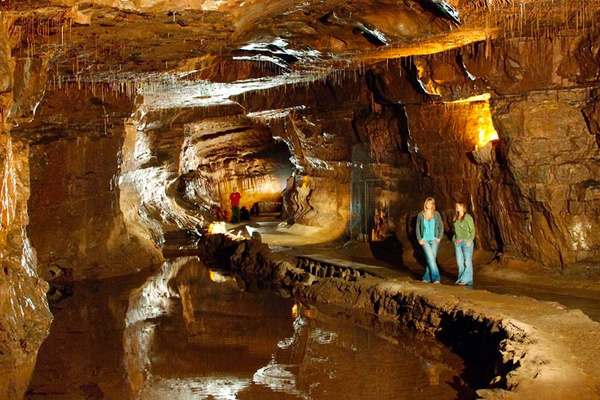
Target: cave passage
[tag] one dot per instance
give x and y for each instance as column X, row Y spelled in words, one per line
column 189, row 332
column 126, row 125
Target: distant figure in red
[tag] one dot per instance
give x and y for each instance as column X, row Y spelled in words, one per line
column 234, row 199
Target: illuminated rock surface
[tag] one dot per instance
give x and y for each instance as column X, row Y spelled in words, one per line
column 125, row 122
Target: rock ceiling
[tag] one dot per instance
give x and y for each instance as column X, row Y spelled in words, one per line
column 239, row 46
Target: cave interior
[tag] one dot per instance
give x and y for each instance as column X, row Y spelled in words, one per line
column 125, row 123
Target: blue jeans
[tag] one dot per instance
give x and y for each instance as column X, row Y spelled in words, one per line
column 432, row 273
column 464, row 260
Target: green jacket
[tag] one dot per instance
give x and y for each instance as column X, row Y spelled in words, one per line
column 439, row 225
column 465, row 229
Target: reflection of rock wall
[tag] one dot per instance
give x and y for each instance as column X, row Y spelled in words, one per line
column 24, row 314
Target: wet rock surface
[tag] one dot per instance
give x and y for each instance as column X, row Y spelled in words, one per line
column 24, row 315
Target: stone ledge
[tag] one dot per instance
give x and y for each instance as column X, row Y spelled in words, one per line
column 330, row 267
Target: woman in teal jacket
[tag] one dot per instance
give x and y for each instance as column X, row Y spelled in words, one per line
column 464, row 234
column 430, row 230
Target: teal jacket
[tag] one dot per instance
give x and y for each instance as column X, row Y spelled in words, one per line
column 465, row 229
column 439, row 225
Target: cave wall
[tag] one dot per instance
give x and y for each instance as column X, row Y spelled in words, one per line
column 180, row 165
column 229, row 151
column 133, row 180
column 551, row 158
column 24, row 314
column 316, row 124
column 321, row 153
column 444, row 135
column 148, row 182
column 534, row 192
column 546, row 164
column 77, row 225
column 96, row 190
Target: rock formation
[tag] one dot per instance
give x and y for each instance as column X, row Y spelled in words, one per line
column 25, row 319
column 127, row 121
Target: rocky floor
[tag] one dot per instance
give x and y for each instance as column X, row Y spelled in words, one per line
column 579, row 288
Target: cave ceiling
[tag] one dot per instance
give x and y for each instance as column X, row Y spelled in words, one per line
column 206, row 51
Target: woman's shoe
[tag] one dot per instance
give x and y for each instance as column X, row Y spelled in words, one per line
column 461, row 283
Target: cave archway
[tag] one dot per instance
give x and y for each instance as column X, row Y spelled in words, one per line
column 223, row 153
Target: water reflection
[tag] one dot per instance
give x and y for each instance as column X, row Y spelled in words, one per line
column 211, row 340
column 220, row 342
column 191, row 333
column 330, row 356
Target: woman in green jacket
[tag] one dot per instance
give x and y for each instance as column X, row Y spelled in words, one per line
column 464, row 234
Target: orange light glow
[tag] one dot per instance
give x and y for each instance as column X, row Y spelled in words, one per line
column 219, row 277
column 483, row 126
column 487, row 132
column 295, row 310
column 304, row 181
column 270, row 187
column 486, row 136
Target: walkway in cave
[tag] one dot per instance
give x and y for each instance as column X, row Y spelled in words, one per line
column 578, row 290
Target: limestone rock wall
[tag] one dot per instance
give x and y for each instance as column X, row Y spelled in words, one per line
column 77, row 225
column 533, row 190
column 316, row 125
column 150, row 186
column 376, row 105
column 425, row 123
column 229, row 151
column 24, row 314
column 552, row 161
column 546, row 161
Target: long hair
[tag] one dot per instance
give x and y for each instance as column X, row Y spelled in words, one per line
column 427, row 200
column 464, row 207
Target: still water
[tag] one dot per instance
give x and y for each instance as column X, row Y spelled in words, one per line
column 188, row 332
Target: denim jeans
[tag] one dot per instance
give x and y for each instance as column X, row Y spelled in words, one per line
column 432, row 273
column 464, row 260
